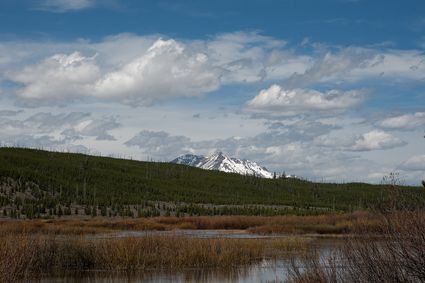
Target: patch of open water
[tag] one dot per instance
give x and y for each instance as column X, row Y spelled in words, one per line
column 267, row 270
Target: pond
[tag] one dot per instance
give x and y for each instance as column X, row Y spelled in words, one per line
column 267, row 270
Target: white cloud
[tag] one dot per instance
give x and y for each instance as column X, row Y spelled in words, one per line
column 353, row 64
column 139, row 70
column 410, row 121
column 61, row 128
column 160, row 145
column 251, row 57
column 302, row 129
column 167, row 69
column 61, row 6
column 281, row 102
column 270, row 149
column 332, row 66
column 414, row 163
column 49, row 122
column 98, row 128
column 56, row 78
column 392, row 64
column 372, row 140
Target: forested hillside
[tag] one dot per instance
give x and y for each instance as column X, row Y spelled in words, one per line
column 38, row 183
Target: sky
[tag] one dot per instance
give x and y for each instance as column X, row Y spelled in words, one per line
column 330, row 90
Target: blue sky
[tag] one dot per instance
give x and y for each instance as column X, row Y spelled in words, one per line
column 345, row 22
column 328, row 90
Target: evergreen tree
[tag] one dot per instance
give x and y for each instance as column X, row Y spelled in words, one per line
column 94, row 212
column 60, row 211
column 103, row 210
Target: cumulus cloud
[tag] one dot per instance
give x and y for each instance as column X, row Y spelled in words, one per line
column 356, row 63
column 414, row 163
column 56, row 78
column 376, row 140
column 410, row 121
column 61, row 6
column 97, row 128
column 282, row 102
column 139, row 70
column 372, row 140
column 55, row 129
column 167, row 69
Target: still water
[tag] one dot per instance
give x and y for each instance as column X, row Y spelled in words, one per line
column 267, row 270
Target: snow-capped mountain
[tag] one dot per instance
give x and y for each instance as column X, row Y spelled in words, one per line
column 221, row 162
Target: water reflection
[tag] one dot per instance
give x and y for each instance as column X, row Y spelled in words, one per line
column 202, row 234
column 265, row 271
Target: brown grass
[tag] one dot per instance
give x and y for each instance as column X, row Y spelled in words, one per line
column 322, row 224
column 28, row 256
column 397, row 255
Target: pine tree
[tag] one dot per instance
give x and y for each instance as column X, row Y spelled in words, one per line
column 60, row 212
column 94, row 212
column 103, row 211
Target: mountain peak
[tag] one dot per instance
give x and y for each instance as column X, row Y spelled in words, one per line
column 220, row 161
column 217, row 154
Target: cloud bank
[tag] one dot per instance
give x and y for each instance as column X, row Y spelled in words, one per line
column 281, row 102
column 141, row 70
column 302, row 111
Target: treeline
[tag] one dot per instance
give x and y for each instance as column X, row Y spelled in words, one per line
column 39, row 209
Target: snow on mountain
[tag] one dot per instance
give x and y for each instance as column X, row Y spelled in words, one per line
column 189, row 159
column 221, row 162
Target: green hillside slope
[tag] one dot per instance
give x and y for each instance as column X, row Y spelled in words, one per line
column 39, row 180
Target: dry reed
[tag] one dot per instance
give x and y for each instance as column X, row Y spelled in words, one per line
column 28, row 256
column 394, row 251
column 321, row 224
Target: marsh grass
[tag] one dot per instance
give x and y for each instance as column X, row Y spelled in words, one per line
column 321, row 224
column 28, row 256
column 396, row 255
